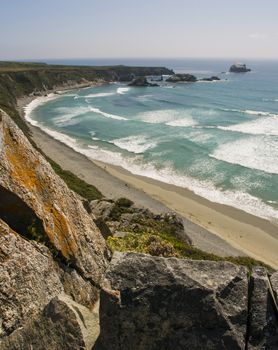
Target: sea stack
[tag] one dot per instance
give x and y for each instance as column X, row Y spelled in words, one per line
column 239, row 68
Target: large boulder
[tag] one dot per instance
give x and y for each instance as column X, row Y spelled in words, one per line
column 39, row 203
column 30, row 278
column 168, row 303
column 262, row 327
column 63, row 324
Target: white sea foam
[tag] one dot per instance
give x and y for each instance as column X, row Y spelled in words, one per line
column 259, row 113
column 101, row 94
column 69, row 116
column 250, row 112
column 134, row 144
column 167, row 116
column 34, row 104
column 182, row 122
column 122, row 90
column 205, row 189
column 260, row 152
column 261, row 126
column 107, row 115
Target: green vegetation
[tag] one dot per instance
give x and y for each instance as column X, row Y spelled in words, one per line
column 79, row 186
column 162, row 244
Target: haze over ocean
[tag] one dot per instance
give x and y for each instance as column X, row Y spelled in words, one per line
column 219, row 139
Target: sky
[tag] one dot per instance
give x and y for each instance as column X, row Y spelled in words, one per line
column 138, row 28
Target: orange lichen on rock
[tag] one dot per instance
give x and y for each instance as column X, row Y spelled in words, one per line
column 22, row 169
column 65, row 224
column 63, row 238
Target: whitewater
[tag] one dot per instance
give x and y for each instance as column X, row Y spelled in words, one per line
column 219, row 140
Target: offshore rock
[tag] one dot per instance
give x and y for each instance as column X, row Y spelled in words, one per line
column 262, row 323
column 213, row 78
column 38, row 202
column 141, row 82
column 239, row 68
column 181, row 78
column 63, row 324
column 166, row 303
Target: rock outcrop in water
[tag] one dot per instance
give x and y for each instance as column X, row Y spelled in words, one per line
column 213, row 78
column 141, row 82
column 181, row 78
column 239, row 68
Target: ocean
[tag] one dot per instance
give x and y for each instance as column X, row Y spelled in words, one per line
column 218, row 139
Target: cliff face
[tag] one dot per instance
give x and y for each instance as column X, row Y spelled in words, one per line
column 49, row 243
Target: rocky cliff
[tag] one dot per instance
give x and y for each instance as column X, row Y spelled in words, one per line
column 49, row 243
column 22, row 79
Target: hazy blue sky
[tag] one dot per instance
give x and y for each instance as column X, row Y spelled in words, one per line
column 134, row 28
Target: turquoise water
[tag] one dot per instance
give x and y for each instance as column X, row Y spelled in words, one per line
column 219, row 139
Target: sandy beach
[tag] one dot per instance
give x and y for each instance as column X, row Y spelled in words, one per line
column 213, row 227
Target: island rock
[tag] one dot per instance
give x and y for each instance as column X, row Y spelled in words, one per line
column 239, row 68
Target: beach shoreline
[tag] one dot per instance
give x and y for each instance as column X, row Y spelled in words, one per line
column 213, row 227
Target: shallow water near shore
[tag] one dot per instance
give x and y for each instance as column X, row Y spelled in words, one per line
column 219, row 139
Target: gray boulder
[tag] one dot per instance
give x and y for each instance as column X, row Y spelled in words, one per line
column 30, row 278
column 63, row 324
column 168, row 303
column 262, row 327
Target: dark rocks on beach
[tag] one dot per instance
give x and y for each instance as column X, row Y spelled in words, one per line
column 239, row 68
column 141, row 82
column 181, row 78
column 158, row 303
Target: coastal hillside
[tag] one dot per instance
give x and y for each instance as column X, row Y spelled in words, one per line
column 22, row 79
column 79, row 271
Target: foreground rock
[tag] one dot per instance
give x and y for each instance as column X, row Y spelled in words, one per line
column 141, row 82
column 181, row 78
column 239, row 68
column 63, row 324
column 30, row 278
column 35, row 202
column 262, row 328
column 49, row 244
column 158, row 303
